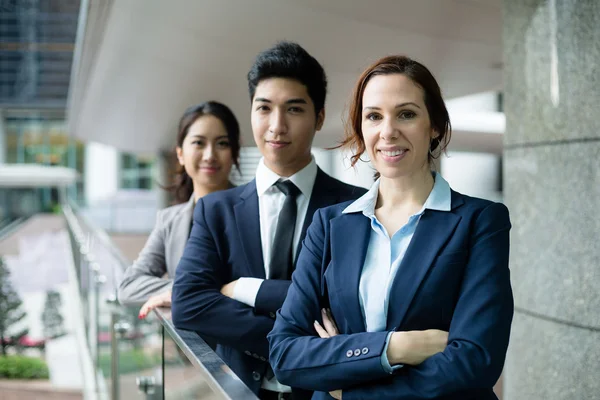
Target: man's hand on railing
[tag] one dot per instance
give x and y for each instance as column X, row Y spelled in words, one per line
column 160, row 300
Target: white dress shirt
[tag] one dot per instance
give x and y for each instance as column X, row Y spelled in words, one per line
column 270, row 203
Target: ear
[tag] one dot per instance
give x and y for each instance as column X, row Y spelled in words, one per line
column 179, row 152
column 320, row 119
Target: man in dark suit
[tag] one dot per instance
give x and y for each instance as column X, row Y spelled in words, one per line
column 236, row 268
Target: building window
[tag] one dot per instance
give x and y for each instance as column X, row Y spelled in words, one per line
column 136, row 172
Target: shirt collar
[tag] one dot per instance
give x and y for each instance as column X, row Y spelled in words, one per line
column 303, row 179
column 439, row 199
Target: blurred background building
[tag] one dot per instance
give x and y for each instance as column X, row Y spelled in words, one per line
column 91, row 92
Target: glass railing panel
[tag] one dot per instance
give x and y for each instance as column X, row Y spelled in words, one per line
column 181, row 378
column 192, row 370
column 140, row 359
column 139, row 356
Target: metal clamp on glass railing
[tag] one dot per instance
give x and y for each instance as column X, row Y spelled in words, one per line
column 192, row 370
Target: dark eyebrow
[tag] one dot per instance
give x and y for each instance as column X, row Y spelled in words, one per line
column 199, row 136
column 397, row 106
column 298, row 100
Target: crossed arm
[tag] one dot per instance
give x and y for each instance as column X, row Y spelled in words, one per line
column 472, row 359
column 198, row 303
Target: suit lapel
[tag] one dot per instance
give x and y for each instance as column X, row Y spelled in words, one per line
column 247, row 219
column 350, row 235
column 321, row 196
column 432, row 233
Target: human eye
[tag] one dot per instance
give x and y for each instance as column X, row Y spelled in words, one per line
column 296, row 110
column 407, row 114
column 262, row 107
column 373, row 116
column 223, row 143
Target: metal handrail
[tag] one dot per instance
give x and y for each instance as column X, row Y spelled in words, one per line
column 209, row 365
column 86, row 276
column 102, row 236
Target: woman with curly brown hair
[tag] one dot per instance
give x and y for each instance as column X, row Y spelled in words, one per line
column 404, row 293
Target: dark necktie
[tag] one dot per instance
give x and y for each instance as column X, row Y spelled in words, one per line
column 282, row 259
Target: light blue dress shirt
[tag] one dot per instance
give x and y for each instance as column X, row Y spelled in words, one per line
column 385, row 254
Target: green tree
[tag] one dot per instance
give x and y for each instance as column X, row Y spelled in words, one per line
column 52, row 319
column 10, row 310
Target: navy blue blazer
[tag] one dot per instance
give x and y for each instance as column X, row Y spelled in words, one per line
column 225, row 245
column 454, row 277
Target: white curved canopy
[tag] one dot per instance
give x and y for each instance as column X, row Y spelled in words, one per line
column 142, row 62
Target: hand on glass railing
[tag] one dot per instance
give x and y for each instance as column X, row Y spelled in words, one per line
column 160, row 300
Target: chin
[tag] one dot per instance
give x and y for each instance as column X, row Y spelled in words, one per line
column 212, row 182
column 389, row 173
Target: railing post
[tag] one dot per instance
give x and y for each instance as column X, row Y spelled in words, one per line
column 117, row 330
column 149, row 385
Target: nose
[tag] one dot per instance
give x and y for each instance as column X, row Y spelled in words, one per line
column 389, row 131
column 209, row 153
column 277, row 123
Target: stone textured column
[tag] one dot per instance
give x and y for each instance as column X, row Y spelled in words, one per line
column 552, row 188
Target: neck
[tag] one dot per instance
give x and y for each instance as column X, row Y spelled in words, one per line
column 202, row 190
column 410, row 190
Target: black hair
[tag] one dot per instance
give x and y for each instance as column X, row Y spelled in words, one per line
column 183, row 186
column 290, row 60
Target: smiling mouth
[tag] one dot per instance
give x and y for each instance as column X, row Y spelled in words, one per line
column 277, row 144
column 393, row 153
column 209, row 169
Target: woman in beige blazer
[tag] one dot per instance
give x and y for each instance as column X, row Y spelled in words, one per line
column 208, row 145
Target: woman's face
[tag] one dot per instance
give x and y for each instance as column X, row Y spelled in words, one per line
column 396, row 126
column 206, row 153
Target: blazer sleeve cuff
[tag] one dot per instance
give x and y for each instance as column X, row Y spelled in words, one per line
column 246, row 290
column 385, row 363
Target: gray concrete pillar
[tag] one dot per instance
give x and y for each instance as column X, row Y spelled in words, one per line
column 552, row 188
column 3, row 140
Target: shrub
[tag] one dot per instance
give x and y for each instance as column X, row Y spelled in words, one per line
column 129, row 361
column 20, row 367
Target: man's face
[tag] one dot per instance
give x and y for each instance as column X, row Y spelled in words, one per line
column 284, row 124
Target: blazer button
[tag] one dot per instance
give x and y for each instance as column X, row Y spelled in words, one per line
column 357, row 352
column 272, row 314
column 247, row 353
column 263, row 359
column 255, row 376
column 349, row 353
column 365, row 350
column 256, row 356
